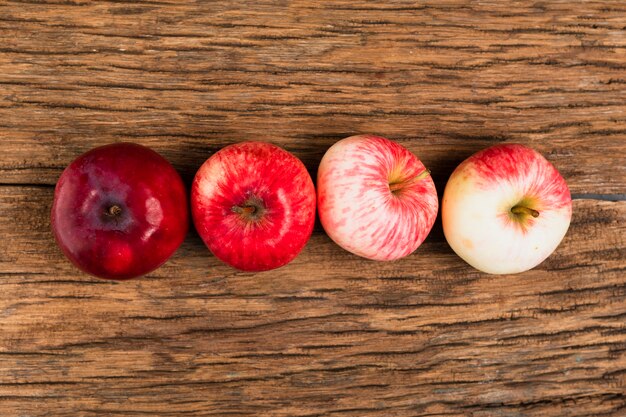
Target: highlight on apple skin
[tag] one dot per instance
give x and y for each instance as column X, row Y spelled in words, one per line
column 253, row 205
column 375, row 198
column 119, row 211
column 505, row 209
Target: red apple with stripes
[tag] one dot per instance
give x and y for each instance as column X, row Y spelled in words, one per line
column 505, row 209
column 253, row 204
column 375, row 198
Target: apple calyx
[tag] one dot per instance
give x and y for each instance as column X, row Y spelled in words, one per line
column 252, row 209
column 524, row 211
column 395, row 186
column 113, row 211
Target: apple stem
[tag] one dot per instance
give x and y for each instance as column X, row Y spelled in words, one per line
column 524, row 210
column 245, row 210
column 114, row 211
column 395, row 186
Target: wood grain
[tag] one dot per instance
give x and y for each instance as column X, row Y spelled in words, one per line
column 330, row 334
column 444, row 78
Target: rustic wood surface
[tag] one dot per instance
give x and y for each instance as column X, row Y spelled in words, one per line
column 329, row 334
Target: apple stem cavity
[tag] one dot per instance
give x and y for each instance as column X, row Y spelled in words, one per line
column 399, row 185
column 252, row 209
column 245, row 210
column 522, row 210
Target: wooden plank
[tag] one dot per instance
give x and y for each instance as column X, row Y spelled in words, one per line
column 329, row 334
column 444, row 78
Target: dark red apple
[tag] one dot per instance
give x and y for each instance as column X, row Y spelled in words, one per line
column 253, row 204
column 119, row 211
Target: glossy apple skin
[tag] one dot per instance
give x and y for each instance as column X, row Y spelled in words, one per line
column 359, row 210
column 476, row 210
column 253, row 174
column 152, row 221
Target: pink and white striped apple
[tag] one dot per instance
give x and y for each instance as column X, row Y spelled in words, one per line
column 253, row 204
column 375, row 198
column 505, row 209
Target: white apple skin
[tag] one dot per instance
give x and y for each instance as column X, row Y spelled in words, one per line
column 477, row 202
column 357, row 207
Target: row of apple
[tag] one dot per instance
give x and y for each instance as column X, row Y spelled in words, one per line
column 121, row 210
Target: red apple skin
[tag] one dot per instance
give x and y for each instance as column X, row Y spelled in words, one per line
column 151, row 223
column 253, row 205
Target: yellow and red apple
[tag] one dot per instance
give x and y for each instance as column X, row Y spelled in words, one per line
column 505, row 209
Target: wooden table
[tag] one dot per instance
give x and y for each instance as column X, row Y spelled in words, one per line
column 330, row 334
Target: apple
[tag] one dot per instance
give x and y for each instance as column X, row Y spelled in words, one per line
column 375, row 198
column 505, row 209
column 119, row 211
column 253, row 204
